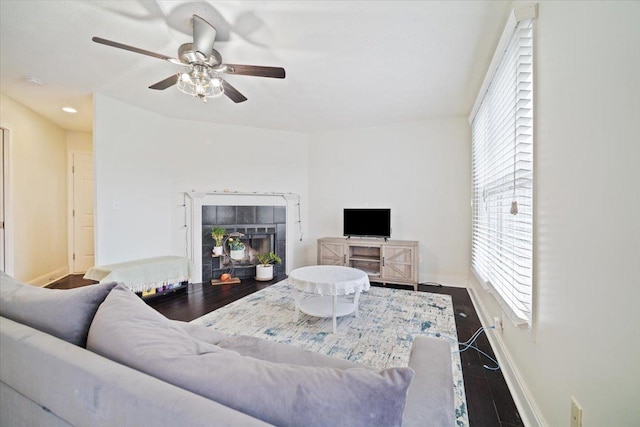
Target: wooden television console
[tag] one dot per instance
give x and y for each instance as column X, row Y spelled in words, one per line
column 385, row 261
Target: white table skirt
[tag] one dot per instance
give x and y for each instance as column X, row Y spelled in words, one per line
column 329, row 280
column 144, row 274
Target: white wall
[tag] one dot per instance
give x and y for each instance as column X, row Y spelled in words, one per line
column 145, row 162
column 420, row 170
column 79, row 141
column 38, row 194
column 587, row 234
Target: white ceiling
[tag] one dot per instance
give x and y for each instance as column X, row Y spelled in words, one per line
column 348, row 63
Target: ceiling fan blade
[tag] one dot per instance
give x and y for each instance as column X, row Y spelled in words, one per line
column 233, row 93
column 135, row 49
column 204, row 34
column 163, row 84
column 255, row 70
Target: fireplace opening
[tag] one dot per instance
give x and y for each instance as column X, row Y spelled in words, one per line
column 256, row 240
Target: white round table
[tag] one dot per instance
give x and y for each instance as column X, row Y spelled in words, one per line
column 328, row 283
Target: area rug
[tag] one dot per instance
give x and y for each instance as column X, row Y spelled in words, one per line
column 381, row 336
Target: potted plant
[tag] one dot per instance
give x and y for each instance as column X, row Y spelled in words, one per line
column 264, row 270
column 236, row 248
column 218, row 235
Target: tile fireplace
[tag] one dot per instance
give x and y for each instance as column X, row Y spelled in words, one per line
column 264, row 229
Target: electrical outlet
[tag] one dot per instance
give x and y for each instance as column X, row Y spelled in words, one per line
column 576, row 413
column 497, row 323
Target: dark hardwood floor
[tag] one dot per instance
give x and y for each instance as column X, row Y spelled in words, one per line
column 489, row 400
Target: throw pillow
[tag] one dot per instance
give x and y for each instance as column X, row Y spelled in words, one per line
column 202, row 333
column 264, row 349
column 126, row 330
column 282, row 353
column 63, row 313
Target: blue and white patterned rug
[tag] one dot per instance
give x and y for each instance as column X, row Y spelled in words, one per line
column 380, row 337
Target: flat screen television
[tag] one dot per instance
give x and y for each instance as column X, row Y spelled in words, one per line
column 367, row 222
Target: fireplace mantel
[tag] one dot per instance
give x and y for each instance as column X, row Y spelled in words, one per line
column 194, row 201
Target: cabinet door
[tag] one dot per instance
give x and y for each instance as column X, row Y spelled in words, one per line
column 398, row 264
column 332, row 253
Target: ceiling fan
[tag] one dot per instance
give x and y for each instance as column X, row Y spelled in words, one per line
column 202, row 66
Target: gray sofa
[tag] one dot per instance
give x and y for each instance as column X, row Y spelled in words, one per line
column 168, row 373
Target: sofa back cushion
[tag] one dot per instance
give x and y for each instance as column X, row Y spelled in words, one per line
column 126, row 330
column 63, row 313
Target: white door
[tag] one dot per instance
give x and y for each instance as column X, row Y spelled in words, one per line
column 83, row 248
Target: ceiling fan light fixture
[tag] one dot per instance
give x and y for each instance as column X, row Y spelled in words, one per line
column 202, row 64
column 217, row 82
column 199, row 83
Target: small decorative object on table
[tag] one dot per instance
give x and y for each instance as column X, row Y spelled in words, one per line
column 264, row 270
column 236, row 248
column 218, row 235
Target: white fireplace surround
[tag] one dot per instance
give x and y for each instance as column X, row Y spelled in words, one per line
column 194, row 201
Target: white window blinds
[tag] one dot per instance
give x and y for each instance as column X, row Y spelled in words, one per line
column 502, row 174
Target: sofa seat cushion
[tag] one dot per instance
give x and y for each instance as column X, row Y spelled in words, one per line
column 63, row 313
column 126, row 330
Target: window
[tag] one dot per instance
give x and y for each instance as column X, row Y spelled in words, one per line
column 502, row 174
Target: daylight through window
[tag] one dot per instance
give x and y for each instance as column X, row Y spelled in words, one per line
column 502, row 178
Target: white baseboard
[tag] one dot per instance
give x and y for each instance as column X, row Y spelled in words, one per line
column 529, row 413
column 50, row 277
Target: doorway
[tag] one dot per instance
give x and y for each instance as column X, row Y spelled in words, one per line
column 81, row 237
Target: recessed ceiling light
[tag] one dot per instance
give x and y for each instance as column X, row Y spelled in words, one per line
column 69, row 110
column 33, row 81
